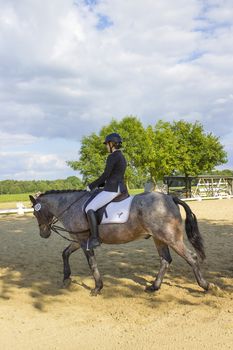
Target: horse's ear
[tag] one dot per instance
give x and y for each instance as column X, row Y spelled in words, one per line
column 32, row 199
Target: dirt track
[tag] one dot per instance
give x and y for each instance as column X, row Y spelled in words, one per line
column 35, row 313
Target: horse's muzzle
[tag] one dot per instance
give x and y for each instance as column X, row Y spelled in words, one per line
column 45, row 231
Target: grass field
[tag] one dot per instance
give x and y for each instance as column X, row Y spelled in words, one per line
column 21, row 197
column 9, row 201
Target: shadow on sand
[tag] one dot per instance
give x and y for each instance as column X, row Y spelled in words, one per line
column 35, row 264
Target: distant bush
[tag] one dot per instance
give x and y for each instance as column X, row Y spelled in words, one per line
column 16, row 187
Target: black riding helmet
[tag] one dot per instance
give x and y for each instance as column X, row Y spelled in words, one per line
column 114, row 138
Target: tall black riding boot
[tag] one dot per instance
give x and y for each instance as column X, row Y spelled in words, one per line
column 93, row 241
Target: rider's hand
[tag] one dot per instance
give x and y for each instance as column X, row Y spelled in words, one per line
column 88, row 188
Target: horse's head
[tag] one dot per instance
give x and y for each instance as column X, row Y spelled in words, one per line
column 43, row 216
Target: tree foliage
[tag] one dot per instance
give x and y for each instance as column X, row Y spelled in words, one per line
column 224, row 172
column 160, row 158
column 163, row 149
column 197, row 152
column 15, row 187
column 93, row 153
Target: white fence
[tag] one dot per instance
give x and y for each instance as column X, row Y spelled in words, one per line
column 20, row 210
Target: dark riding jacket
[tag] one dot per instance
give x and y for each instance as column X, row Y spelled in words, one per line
column 113, row 175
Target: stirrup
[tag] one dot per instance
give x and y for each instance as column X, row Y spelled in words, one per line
column 91, row 243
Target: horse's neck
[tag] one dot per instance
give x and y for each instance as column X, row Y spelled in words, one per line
column 58, row 203
column 52, row 203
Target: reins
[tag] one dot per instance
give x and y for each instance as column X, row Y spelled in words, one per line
column 55, row 229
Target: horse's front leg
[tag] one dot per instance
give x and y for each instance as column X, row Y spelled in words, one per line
column 90, row 255
column 66, row 266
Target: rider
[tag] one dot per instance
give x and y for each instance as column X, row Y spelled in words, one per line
column 113, row 181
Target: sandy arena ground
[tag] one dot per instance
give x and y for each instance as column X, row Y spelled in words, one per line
column 36, row 313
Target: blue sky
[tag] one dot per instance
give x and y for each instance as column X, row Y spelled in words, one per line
column 67, row 67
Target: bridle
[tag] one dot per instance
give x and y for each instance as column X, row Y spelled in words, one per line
column 56, row 228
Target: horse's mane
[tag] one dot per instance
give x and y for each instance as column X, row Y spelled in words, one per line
column 58, row 191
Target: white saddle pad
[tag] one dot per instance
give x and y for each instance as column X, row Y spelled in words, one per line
column 117, row 212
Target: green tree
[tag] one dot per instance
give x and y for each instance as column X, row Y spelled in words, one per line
column 183, row 148
column 196, row 151
column 13, row 186
column 93, row 153
column 223, row 172
column 159, row 150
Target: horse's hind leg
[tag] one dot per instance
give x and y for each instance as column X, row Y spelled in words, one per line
column 66, row 266
column 165, row 261
column 192, row 260
column 90, row 255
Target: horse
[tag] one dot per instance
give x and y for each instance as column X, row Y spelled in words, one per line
column 152, row 214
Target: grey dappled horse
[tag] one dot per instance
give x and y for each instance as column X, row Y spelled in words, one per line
column 152, row 214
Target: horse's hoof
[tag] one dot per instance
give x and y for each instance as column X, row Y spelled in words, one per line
column 95, row 292
column 66, row 283
column 215, row 290
column 151, row 289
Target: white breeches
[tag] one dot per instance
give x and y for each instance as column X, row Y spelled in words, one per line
column 101, row 199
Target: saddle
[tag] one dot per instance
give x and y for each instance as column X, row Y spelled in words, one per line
column 109, row 212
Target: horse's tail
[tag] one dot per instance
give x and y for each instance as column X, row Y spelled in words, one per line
column 191, row 228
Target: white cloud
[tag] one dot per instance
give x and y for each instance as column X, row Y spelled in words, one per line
column 28, row 166
column 65, row 75
column 9, row 140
